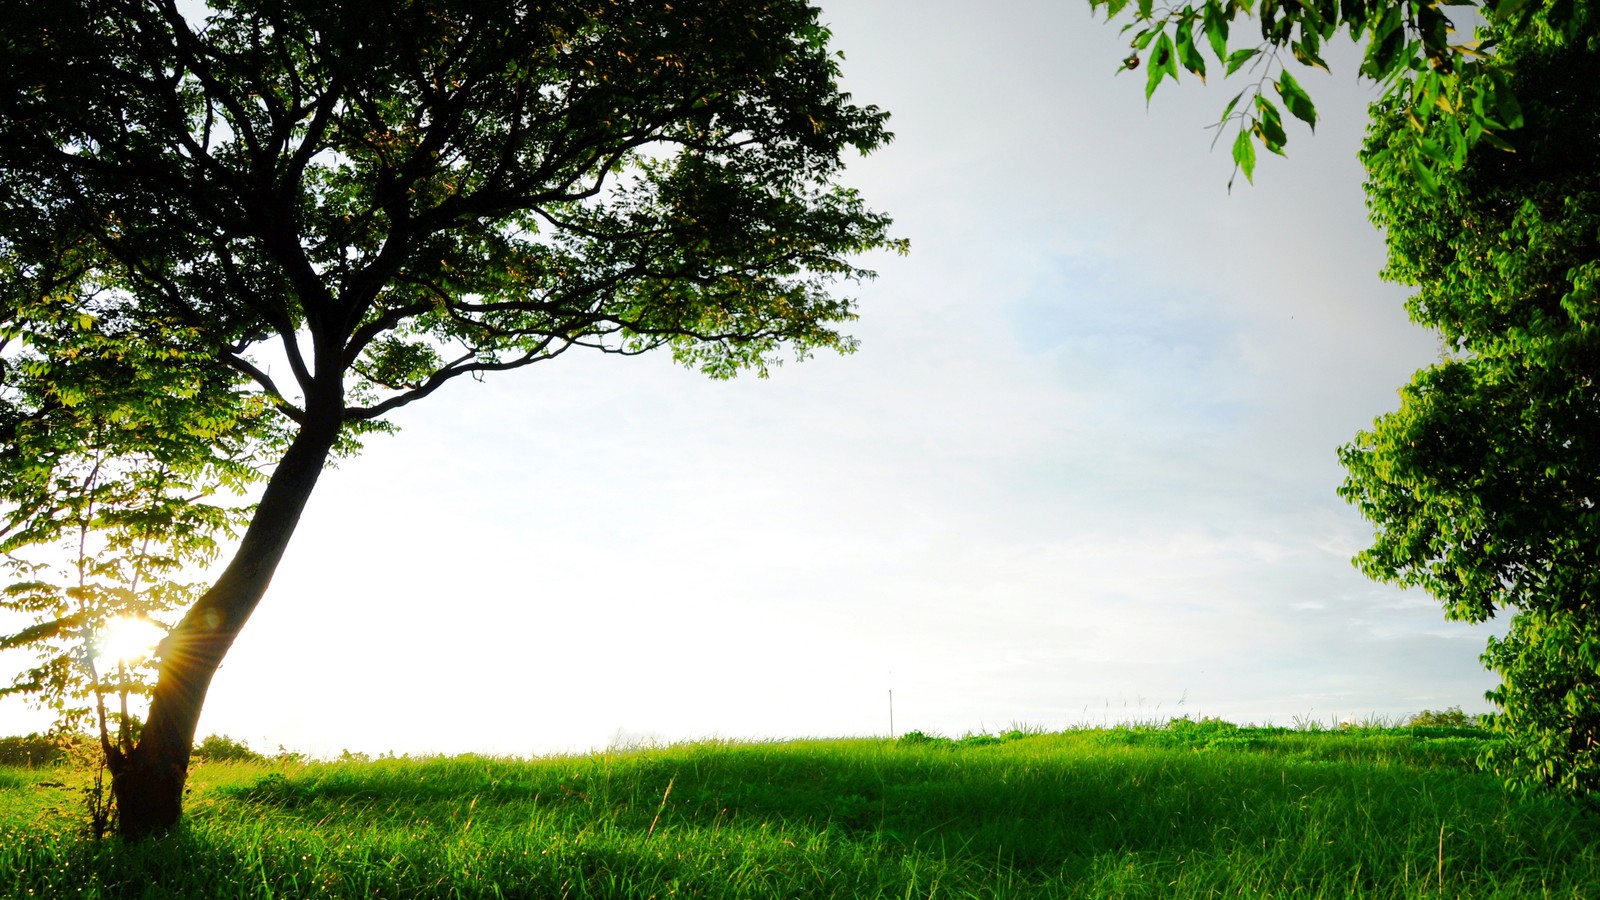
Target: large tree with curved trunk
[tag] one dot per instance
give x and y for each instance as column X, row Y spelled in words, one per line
column 341, row 207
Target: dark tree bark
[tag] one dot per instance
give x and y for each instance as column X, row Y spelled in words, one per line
column 148, row 783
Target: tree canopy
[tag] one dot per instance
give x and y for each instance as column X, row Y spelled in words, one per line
column 333, row 214
column 1483, row 485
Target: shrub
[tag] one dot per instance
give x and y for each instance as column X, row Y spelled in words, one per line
column 918, row 739
column 1203, row 731
column 1443, row 718
column 38, row 750
column 221, row 748
column 30, row 752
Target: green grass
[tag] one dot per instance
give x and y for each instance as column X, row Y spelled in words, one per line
column 1193, row 810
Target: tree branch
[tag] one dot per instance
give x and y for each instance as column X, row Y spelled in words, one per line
column 454, row 370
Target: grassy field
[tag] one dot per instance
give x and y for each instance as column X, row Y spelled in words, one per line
column 1188, row 810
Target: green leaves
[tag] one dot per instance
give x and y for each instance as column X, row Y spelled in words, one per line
column 1244, row 154
column 1481, row 487
column 1426, row 180
column 1238, row 58
column 1179, row 47
column 1296, row 100
column 1188, row 55
column 1215, row 25
column 118, row 473
column 1163, row 63
column 1412, row 52
column 1269, row 125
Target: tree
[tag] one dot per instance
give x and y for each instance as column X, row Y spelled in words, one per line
column 108, row 491
column 116, row 489
column 1449, row 90
column 121, row 471
column 379, row 205
column 1483, row 486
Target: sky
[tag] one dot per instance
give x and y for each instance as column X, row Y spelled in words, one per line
column 1081, row 471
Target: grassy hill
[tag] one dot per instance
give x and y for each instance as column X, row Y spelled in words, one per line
column 1191, row 809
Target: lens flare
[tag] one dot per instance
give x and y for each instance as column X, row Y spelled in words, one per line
column 128, row 639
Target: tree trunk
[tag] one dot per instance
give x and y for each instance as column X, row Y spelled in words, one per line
column 148, row 782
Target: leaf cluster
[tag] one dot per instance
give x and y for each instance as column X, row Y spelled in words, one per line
column 1449, row 90
column 1549, row 723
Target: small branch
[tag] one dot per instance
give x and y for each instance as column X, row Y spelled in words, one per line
column 250, row 370
column 438, row 379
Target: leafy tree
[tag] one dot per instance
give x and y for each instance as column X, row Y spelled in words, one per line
column 1446, row 88
column 371, row 206
column 1483, row 485
column 117, row 453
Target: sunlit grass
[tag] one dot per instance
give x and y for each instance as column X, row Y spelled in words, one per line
column 1207, row 811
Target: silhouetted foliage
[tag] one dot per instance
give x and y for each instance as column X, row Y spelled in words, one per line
column 332, row 215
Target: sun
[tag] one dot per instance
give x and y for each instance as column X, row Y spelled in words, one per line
column 128, row 639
